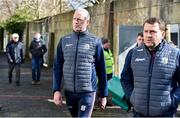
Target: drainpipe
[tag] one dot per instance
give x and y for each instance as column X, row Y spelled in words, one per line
column 149, row 3
column 168, row 33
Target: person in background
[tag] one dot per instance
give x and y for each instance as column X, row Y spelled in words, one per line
column 79, row 61
column 151, row 74
column 109, row 61
column 44, row 64
column 139, row 39
column 15, row 56
column 37, row 49
column 108, row 57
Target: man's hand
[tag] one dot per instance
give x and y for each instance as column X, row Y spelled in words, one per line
column 102, row 103
column 58, row 98
column 22, row 61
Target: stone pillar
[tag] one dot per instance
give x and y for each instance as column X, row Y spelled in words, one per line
column 168, row 33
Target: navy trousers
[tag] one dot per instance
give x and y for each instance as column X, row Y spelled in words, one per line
column 80, row 104
column 18, row 70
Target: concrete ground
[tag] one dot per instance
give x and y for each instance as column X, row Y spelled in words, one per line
column 36, row 100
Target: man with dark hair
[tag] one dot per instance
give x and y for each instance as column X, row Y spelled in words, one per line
column 109, row 61
column 151, row 74
column 108, row 56
column 139, row 39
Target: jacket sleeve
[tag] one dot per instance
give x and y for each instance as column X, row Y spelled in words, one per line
column 57, row 68
column 22, row 52
column 31, row 47
column 101, row 69
column 44, row 49
column 8, row 52
column 127, row 76
column 176, row 92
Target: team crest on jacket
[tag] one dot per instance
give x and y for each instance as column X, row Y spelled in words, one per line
column 86, row 46
column 164, row 60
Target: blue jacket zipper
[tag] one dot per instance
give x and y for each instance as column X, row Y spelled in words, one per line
column 149, row 81
column 76, row 62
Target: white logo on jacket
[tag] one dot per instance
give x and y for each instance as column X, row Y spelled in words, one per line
column 67, row 45
column 140, row 50
column 68, row 37
column 139, row 59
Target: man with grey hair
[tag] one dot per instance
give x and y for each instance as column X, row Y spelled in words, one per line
column 80, row 61
column 15, row 56
column 37, row 49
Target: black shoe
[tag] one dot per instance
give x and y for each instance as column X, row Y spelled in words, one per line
column 17, row 84
column 38, row 83
column 0, row 107
column 109, row 103
column 33, row 82
column 10, row 80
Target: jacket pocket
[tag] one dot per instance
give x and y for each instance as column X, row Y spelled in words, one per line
column 167, row 104
column 173, row 102
column 132, row 98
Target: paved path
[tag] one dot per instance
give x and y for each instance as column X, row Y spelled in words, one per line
column 36, row 100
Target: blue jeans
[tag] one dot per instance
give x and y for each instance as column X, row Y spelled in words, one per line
column 36, row 68
column 80, row 104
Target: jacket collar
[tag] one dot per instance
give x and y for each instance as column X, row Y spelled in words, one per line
column 159, row 47
column 81, row 33
column 12, row 41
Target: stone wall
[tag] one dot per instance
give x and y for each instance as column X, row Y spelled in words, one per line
column 124, row 12
column 134, row 12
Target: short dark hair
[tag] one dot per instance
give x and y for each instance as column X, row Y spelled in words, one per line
column 153, row 20
column 104, row 40
column 140, row 34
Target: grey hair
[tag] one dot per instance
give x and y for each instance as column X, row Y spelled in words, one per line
column 84, row 11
